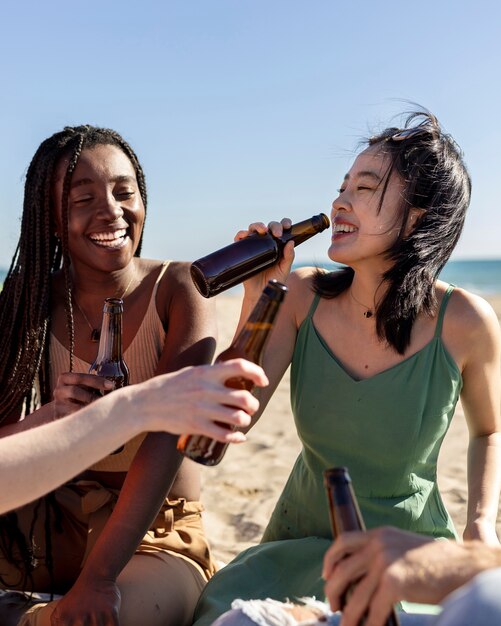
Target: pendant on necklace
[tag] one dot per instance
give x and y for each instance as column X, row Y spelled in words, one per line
column 95, row 335
column 368, row 313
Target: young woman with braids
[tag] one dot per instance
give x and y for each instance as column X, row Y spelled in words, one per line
column 380, row 351
column 123, row 542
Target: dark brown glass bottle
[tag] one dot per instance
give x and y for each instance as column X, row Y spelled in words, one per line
column 109, row 361
column 233, row 264
column 345, row 515
column 248, row 344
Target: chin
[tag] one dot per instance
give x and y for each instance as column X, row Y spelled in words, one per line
column 337, row 256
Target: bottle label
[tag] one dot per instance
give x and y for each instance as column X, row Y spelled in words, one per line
column 258, row 326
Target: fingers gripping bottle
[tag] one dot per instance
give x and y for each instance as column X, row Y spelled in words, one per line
column 248, row 344
column 345, row 515
column 242, row 259
column 109, row 361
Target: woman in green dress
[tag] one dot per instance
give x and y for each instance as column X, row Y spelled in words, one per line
column 381, row 351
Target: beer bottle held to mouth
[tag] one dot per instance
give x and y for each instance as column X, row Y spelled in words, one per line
column 248, row 344
column 345, row 515
column 231, row 265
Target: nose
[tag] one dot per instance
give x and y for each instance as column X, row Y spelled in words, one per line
column 110, row 208
column 340, row 203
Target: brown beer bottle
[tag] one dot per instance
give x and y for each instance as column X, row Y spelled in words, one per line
column 248, row 344
column 233, row 264
column 109, row 361
column 345, row 515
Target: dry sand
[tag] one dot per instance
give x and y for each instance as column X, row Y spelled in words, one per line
column 240, row 493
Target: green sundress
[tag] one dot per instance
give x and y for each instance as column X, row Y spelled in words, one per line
column 387, row 430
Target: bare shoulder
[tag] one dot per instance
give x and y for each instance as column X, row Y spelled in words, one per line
column 468, row 312
column 176, row 290
column 178, row 276
column 175, row 277
column 301, row 292
column 470, row 322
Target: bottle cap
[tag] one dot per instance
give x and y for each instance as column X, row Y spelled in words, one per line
column 336, row 474
column 275, row 290
column 113, row 305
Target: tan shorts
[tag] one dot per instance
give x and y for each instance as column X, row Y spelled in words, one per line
column 65, row 525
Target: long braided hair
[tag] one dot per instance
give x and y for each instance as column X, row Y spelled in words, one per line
column 25, row 300
column 25, row 304
column 436, row 181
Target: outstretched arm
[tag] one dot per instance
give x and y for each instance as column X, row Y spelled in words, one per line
column 36, row 461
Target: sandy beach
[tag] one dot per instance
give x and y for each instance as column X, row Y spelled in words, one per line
column 240, row 493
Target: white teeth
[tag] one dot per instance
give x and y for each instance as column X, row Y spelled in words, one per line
column 109, row 236
column 343, row 228
column 110, row 239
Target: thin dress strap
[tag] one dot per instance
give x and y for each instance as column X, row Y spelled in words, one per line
column 313, row 306
column 441, row 312
column 165, row 265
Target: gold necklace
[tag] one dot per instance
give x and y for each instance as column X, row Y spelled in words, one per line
column 95, row 333
column 368, row 312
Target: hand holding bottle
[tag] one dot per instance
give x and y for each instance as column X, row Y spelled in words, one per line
column 280, row 271
column 74, row 391
column 249, row 344
column 345, row 515
column 253, row 251
column 197, row 400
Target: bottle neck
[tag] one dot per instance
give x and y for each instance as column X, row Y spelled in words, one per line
column 110, row 343
column 343, row 506
column 301, row 231
column 255, row 333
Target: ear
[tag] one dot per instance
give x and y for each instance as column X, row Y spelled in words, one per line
column 413, row 219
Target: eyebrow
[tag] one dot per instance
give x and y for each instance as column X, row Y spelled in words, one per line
column 116, row 179
column 365, row 174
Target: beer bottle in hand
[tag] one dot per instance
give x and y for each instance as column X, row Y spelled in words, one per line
column 345, row 515
column 109, row 361
column 248, row 344
column 242, row 259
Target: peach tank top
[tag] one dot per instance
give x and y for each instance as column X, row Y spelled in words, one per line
column 141, row 356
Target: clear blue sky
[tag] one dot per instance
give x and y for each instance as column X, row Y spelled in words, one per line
column 248, row 109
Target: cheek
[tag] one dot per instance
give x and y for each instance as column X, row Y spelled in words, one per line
column 390, row 218
column 140, row 216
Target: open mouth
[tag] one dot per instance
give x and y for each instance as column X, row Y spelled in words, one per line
column 110, row 239
column 341, row 229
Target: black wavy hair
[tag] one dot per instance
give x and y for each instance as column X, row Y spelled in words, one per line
column 436, row 180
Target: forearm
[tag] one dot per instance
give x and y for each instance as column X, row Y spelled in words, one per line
column 457, row 567
column 43, row 415
column 484, row 479
column 147, row 483
column 36, row 461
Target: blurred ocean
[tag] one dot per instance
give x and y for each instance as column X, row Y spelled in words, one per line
column 482, row 277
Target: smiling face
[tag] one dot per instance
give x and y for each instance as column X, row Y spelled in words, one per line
column 105, row 209
column 364, row 224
